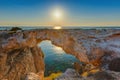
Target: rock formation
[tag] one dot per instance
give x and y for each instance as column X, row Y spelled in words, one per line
column 19, row 52
column 32, row 76
column 70, row 74
column 115, row 65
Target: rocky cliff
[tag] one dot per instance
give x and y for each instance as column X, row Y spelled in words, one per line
column 19, row 52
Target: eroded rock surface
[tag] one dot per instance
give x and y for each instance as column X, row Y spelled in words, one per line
column 32, row 76
column 70, row 74
column 19, row 53
column 115, row 65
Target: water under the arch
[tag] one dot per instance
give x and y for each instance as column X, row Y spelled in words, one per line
column 56, row 60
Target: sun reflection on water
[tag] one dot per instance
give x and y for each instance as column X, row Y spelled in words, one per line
column 58, row 50
column 57, row 27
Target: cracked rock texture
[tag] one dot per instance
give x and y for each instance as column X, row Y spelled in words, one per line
column 20, row 54
column 70, row 74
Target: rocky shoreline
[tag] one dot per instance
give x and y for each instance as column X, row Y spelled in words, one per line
column 70, row 74
column 20, row 55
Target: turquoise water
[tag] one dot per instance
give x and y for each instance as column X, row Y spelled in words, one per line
column 56, row 60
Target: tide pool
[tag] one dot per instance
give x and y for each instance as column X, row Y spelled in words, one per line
column 56, row 60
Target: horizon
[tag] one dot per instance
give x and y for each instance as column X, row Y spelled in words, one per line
column 90, row 13
column 62, row 27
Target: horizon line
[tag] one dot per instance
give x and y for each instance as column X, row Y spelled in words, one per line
column 59, row 25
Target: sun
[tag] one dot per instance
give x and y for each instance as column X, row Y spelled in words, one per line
column 57, row 13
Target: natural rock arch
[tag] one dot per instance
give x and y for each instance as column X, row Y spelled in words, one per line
column 19, row 53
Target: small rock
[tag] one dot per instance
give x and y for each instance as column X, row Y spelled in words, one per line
column 115, row 65
column 32, row 76
column 88, row 67
column 78, row 67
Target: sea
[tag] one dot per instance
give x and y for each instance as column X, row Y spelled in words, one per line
column 63, row 27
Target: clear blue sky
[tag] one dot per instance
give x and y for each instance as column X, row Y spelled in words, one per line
column 74, row 12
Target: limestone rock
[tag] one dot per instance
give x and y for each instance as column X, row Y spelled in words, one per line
column 70, row 74
column 79, row 67
column 115, row 65
column 101, row 75
column 32, row 76
column 19, row 53
column 104, row 75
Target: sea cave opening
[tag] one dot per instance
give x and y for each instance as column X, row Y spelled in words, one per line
column 56, row 59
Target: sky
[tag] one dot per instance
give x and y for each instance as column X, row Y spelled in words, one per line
column 73, row 12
